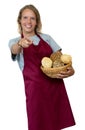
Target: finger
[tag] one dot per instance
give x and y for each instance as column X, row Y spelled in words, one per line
column 61, row 76
column 26, row 43
column 28, row 40
column 63, row 72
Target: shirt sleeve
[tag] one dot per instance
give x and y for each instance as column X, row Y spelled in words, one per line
column 55, row 47
column 10, row 44
column 53, row 44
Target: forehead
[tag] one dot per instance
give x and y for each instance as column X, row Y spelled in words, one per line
column 28, row 12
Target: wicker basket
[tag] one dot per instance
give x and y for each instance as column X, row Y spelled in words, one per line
column 52, row 72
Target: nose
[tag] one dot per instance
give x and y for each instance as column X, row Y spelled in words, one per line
column 29, row 20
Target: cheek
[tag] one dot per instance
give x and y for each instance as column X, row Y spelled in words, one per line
column 23, row 21
column 34, row 22
column 23, row 24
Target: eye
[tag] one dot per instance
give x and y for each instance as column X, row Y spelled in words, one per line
column 24, row 17
column 33, row 18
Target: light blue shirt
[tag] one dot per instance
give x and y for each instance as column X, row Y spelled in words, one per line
column 55, row 47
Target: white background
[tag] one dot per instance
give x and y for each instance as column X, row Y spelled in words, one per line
column 64, row 20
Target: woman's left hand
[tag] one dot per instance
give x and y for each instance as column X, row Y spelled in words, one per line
column 64, row 74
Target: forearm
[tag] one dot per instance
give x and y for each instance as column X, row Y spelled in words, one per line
column 16, row 48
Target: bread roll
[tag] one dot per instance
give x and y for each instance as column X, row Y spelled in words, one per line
column 55, row 56
column 66, row 58
column 46, row 62
column 57, row 63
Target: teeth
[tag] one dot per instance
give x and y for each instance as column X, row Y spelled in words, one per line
column 28, row 26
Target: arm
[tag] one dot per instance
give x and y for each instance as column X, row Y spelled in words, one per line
column 16, row 48
column 22, row 43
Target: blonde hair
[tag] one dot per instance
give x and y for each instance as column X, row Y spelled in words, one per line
column 38, row 19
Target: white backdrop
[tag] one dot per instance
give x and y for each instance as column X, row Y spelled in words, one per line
column 64, row 20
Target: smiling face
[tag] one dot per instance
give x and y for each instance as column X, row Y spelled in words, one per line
column 28, row 22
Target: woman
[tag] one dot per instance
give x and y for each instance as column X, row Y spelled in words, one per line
column 47, row 103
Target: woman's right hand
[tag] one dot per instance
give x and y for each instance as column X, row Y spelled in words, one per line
column 24, row 43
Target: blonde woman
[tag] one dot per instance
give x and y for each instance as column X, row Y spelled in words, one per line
column 47, row 103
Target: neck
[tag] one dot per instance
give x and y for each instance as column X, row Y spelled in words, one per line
column 26, row 34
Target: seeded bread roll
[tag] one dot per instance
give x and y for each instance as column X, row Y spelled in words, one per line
column 57, row 63
column 55, row 56
column 46, row 62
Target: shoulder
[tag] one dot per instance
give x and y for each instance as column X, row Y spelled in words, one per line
column 13, row 41
column 48, row 38
column 45, row 36
column 54, row 45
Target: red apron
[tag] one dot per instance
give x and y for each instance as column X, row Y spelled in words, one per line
column 47, row 103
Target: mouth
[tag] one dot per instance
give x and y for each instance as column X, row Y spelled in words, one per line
column 28, row 26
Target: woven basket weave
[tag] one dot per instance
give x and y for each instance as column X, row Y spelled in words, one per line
column 53, row 71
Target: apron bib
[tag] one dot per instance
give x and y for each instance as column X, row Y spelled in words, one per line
column 47, row 103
